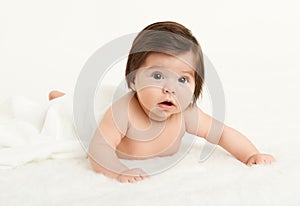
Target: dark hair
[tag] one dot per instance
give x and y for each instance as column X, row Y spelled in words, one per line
column 165, row 37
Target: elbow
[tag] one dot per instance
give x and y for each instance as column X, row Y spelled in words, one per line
column 95, row 166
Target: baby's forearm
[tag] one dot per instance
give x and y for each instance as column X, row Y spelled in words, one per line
column 237, row 144
column 104, row 160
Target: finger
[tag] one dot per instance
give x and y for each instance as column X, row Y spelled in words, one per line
column 260, row 161
column 131, row 179
column 140, row 173
column 135, row 177
column 138, row 178
column 273, row 159
column 123, row 180
column 251, row 162
column 144, row 175
column 264, row 161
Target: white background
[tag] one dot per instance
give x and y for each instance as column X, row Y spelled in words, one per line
column 254, row 46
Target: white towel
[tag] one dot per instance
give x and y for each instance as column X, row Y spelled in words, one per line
column 30, row 131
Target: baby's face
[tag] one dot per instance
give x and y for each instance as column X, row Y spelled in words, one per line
column 165, row 84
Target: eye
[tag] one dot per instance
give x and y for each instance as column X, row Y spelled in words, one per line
column 183, row 79
column 157, row 75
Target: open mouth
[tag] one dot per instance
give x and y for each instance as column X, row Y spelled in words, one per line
column 166, row 105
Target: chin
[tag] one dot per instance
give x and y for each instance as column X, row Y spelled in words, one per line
column 160, row 115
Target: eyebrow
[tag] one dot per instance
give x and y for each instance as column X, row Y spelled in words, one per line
column 154, row 67
column 189, row 72
column 160, row 67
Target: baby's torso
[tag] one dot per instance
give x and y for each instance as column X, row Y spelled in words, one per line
column 139, row 144
column 146, row 139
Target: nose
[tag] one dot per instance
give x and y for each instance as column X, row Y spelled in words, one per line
column 168, row 91
column 168, row 88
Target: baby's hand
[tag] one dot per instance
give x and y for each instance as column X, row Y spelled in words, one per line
column 132, row 175
column 260, row 159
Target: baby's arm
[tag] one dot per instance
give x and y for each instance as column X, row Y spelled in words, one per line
column 102, row 155
column 240, row 147
column 228, row 138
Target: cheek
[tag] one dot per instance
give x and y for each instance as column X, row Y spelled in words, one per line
column 148, row 91
column 147, row 96
column 185, row 96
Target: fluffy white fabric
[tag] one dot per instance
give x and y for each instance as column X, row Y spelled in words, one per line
column 221, row 180
column 30, row 131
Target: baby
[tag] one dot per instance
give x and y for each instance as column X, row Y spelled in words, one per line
column 165, row 72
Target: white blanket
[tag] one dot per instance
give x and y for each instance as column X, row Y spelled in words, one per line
column 221, row 180
column 31, row 131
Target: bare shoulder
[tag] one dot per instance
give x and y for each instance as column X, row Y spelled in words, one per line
column 117, row 114
column 191, row 118
column 197, row 122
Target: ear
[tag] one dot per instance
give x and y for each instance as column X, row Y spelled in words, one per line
column 132, row 85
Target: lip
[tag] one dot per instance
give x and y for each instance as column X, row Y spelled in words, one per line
column 165, row 106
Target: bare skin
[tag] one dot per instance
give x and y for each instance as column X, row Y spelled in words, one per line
column 55, row 94
column 142, row 125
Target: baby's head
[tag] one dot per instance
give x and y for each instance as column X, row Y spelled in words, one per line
column 168, row 38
